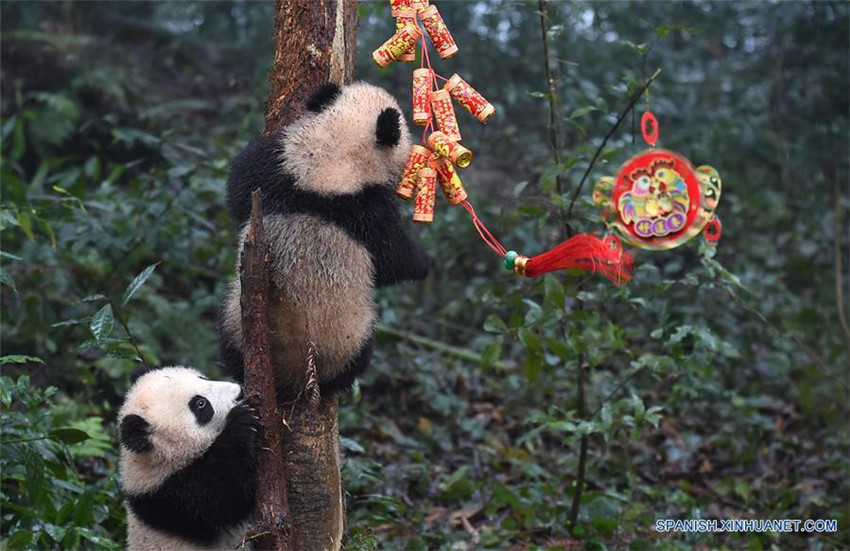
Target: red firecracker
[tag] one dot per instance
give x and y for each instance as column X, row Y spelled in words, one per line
column 422, row 82
column 449, row 181
column 404, row 17
column 402, row 41
column 467, row 96
column 453, row 151
column 437, row 31
column 423, row 208
column 441, row 104
column 417, row 159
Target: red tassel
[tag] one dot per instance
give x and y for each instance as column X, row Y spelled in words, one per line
column 584, row 252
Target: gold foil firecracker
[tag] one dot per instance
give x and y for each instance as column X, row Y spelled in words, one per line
column 441, row 103
column 467, row 96
column 426, row 195
column 402, row 41
column 422, row 81
column 396, row 5
column 417, row 159
column 418, row 4
column 437, row 31
column 449, row 181
column 403, row 17
column 453, row 151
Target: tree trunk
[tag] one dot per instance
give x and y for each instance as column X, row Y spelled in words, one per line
column 315, row 43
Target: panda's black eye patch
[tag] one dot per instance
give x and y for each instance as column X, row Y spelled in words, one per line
column 134, row 433
column 202, row 409
column 388, row 129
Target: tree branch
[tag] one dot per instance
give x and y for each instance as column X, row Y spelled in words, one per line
column 272, row 528
column 632, row 101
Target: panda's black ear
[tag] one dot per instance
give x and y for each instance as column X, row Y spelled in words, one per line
column 388, row 128
column 323, row 97
column 137, row 374
column 134, row 434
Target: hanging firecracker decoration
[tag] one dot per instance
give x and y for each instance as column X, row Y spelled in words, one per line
column 435, row 161
column 658, row 200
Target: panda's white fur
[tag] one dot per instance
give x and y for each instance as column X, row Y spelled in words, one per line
column 334, row 231
column 313, row 300
column 333, row 152
column 165, row 442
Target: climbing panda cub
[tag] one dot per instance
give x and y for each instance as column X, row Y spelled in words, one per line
column 188, row 461
column 335, row 234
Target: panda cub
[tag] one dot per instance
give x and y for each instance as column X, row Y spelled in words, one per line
column 335, row 234
column 188, row 461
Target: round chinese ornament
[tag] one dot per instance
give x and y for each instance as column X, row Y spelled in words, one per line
column 658, row 200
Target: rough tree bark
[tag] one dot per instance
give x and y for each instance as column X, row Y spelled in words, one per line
column 315, row 42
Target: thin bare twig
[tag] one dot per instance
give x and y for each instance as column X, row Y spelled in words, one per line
column 632, row 101
column 126, row 327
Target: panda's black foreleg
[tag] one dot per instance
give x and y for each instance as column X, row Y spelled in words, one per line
column 355, row 367
column 400, row 259
column 231, row 358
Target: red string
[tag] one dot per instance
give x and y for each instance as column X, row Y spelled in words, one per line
column 485, row 234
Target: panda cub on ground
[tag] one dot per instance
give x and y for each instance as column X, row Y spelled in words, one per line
column 335, row 234
column 188, row 461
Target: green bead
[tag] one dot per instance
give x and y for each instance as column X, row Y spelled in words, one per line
column 510, row 258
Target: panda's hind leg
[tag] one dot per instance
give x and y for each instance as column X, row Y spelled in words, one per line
column 355, row 368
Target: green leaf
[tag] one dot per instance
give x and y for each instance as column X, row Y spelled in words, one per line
column 48, row 229
column 581, row 111
column 137, row 283
column 518, row 189
column 77, row 321
column 494, row 324
column 553, row 291
column 25, row 224
column 69, row 435
column 559, row 348
column 95, row 297
column 7, row 280
column 56, row 533
column 492, row 351
column 19, row 359
column 102, row 323
column 10, row 256
column 350, row 445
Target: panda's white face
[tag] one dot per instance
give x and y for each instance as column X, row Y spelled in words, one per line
column 341, row 149
column 170, row 417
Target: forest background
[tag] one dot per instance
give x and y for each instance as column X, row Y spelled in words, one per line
column 714, row 385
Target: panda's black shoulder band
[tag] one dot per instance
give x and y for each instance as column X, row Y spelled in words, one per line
column 323, row 97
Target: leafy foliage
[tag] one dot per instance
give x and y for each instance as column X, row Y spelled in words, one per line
column 714, row 384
